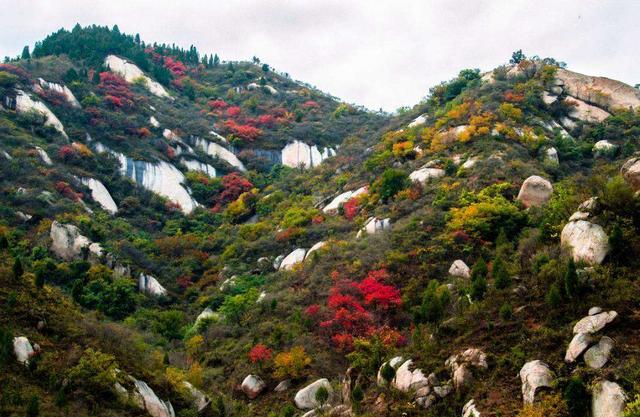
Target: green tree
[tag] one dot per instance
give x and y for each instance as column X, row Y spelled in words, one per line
column 288, row 411
column 577, row 397
column 517, row 57
column 357, row 395
column 391, row 182
column 4, row 243
column 571, row 279
column 33, row 407
column 25, row 53
column 220, row 410
column 322, row 396
column 6, row 346
column 554, row 298
column 617, row 243
column 633, row 408
column 478, row 288
column 479, row 270
column 501, row 277
column 434, row 301
column 216, row 60
column 265, row 68
column 387, row 372
column 18, row 269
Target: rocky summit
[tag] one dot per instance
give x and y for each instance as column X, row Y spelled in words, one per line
column 185, row 235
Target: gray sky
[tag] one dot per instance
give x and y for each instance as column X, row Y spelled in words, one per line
column 379, row 53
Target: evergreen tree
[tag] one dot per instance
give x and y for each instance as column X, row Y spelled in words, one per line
column 616, row 242
column 387, row 372
column 577, row 397
column 4, row 243
column 137, row 38
column 216, row 60
column 265, row 68
column 517, row 57
column 501, row 278
column 554, row 298
column 33, row 407
column 220, row 409
column 479, row 270
column 18, row 270
column 571, row 279
column 25, row 53
column 357, row 396
column 322, row 396
column 478, row 288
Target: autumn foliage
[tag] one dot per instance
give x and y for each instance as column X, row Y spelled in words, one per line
column 259, row 354
column 116, row 90
column 233, row 185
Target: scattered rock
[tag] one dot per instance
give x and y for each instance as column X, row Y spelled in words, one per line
column 422, row 175
column 375, row 225
column 68, row 243
column 283, row 386
column 149, row 285
column 598, row 355
column 595, row 323
column 100, row 194
column 305, row 399
column 578, row 344
column 604, row 147
column 460, row 365
column 314, row 248
column 534, row 375
column 631, row 173
column 584, row 111
column 607, row 400
column 470, row 410
column 300, row 155
column 595, row 310
column 199, row 399
column 44, row 156
column 587, row 241
column 420, row 120
column 154, row 122
column 394, row 363
column 407, row 379
column 293, row 258
column 22, row 349
column 252, row 386
column 551, row 156
column 535, row 191
column 459, row 269
column 471, row 162
column 146, row 399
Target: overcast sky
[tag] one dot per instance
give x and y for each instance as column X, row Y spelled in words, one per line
column 378, row 53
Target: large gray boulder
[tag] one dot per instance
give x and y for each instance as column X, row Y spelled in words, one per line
column 535, row 191
column 461, row 364
column 459, row 269
column 374, row 225
column 68, row 243
column 292, row 259
column 22, row 349
column 146, row 399
column 534, row 375
column 631, row 173
column 149, row 285
column 305, row 399
column 579, row 344
column 394, row 363
column 252, row 386
column 594, row 323
column 600, row 91
column 409, row 379
column 607, row 400
column 598, row 355
column 586, row 241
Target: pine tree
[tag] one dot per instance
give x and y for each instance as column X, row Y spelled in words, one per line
column 357, row 396
column 4, row 243
column 18, row 270
column 33, row 408
column 571, row 279
column 220, row 409
column 501, row 278
column 616, row 242
column 25, row 52
column 479, row 270
column 216, row 60
column 387, row 372
column 553, row 296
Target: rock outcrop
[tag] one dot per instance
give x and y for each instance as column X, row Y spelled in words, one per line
column 195, row 165
column 198, row 398
column 395, row 363
column 461, row 365
column 131, row 73
column 252, row 386
column 594, row 323
column 631, row 173
column 608, row 400
column 422, row 175
column 68, row 243
column 375, row 225
column 598, row 355
column 578, row 344
column 535, row 191
column 22, row 349
column 100, row 194
column 25, row 104
column 219, row 151
column 300, row 155
column 149, row 285
column 146, row 399
column 586, row 241
column 459, row 269
column 604, row 147
column 534, row 375
column 63, row 90
column 600, row 91
column 551, row 156
column 44, row 156
column 293, row 258
column 418, row 121
column 334, row 205
column 470, row 410
column 314, row 248
column 305, row 399
column 586, row 112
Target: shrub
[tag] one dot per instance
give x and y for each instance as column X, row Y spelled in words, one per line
column 95, row 372
column 6, row 346
column 577, row 397
column 506, row 311
column 322, row 396
column 391, row 182
column 291, row 364
column 387, row 372
column 33, row 407
column 501, row 277
column 571, row 279
column 554, row 298
column 547, row 406
column 633, row 408
column 260, row 354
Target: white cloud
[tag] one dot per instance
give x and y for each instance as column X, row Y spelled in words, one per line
column 377, row 53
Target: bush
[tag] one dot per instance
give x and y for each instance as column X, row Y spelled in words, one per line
column 554, row 298
column 322, row 396
column 547, row 406
column 33, row 407
column 633, row 408
column 506, row 311
column 95, row 372
column 291, row 364
column 387, row 372
column 6, row 346
column 501, row 277
column 391, row 183
column 577, row 397
column 571, row 280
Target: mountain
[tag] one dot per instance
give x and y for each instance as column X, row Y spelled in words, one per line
column 185, row 236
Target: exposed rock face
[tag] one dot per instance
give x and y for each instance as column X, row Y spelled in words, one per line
column 551, row 156
column 100, row 194
column 300, row 155
column 603, row 92
column 68, row 243
column 60, row 89
column 604, row 147
column 598, row 355
column 195, row 165
column 154, row 122
column 587, row 241
column 594, row 323
column 198, row 398
column 334, row 205
column 207, row 313
column 147, row 399
column 534, row 375
column 44, row 155
column 631, row 173
column 608, row 400
column 252, row 386
column 150, row 285
column 314, row 248
column 218, row 151
column 305, row 399
column 131, row 72
column 422, row 175
column 375, row 225
column 394, row 363
column 535, row 191
column 407, row 379
column 470, row 410
column 459, row 269
column 420, row 120
column 295, row 257
column 160, row 177
column 22, row 349
column 461, row 365
column 579, row 344
column 585, row 112
column 25, row 104
column 471, row 162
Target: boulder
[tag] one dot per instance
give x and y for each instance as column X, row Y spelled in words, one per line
column 283, row 386
column 300, row 155
column 631, row 173
column 579, row 215
column 100, row 194
column 394, row 363
column 22, row 349
column 595, row 323
column 422, row 175
column 578, row 344
column 199, row 400
column 218, row 151
column 131, row 73
column 407, row 379
column 68, row 243
column 154, row 122
column 535, row 191
column 470, row 410
column 149, row 285
column 587, row 241
column 584, row 111
column 549, row 98
column 293, row 258
column 608, row 400
column 604, row 147
column 551, row 156
column 24, row 104
column 471, row 162
column 534, row 375
column 44, row 156
column 595, row 310
column 375, row 225
column 206, row 314
column 459, row 269
column 334, row 205
column 600, row 91
column 252, row 386
column 146, row 399
column 314, row 248
column 420, row 120
column 598, row 355
column 305, row 399
column 278, row 261
column 462, row 363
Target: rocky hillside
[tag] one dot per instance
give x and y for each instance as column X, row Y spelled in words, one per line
column 186, row 236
